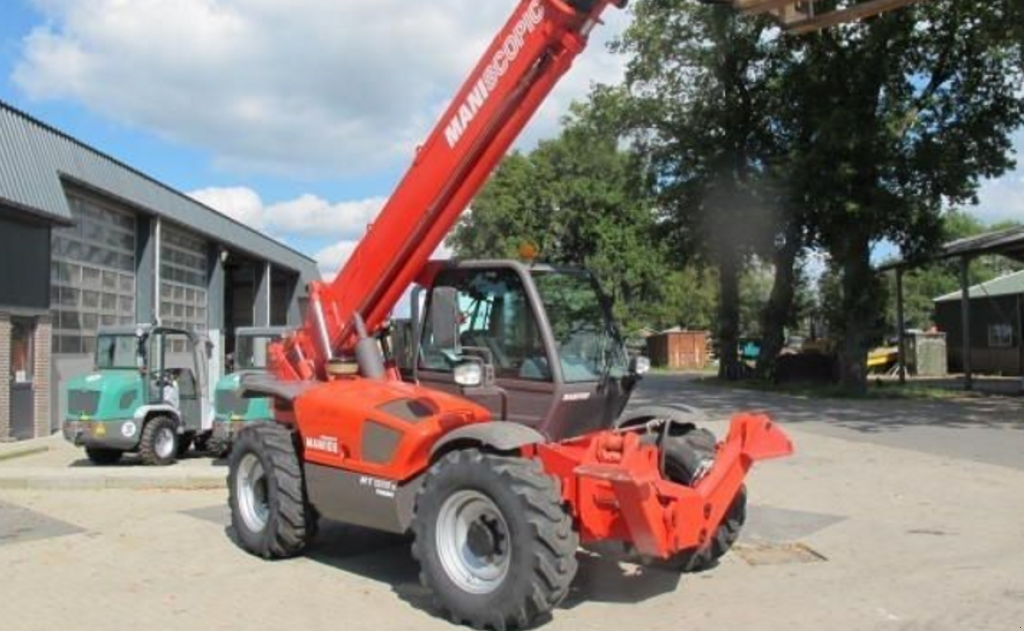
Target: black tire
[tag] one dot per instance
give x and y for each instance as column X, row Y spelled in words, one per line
column 184, row 445
column 102, row 456
column 531, row 535
column 684, row 452
column 289, row 521
column 152, row 449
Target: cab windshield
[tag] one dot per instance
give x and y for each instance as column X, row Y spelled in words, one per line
column 117, row 351
column 251, row 352
column 586, row 341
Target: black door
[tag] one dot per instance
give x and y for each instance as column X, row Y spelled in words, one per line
column 22, row 391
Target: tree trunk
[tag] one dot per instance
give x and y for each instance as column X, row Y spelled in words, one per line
column 778, row 312
column 860, row 309
column 728, row 316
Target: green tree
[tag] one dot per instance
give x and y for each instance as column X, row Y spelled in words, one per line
column 894, row 120
column 580, row 200
column 697, row 82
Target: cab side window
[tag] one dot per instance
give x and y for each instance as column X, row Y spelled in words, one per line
column 490, row 315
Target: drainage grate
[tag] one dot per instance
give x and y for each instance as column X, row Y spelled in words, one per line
column 778, row 554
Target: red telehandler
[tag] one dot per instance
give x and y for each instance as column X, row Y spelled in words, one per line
column 502, row 446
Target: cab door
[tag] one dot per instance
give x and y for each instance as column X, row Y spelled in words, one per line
column 488, row 312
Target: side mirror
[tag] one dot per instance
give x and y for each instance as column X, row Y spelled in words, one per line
column 639, row 365
column 444, row 317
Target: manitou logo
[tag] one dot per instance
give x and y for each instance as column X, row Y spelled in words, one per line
column 493, row 73
column 327, row 444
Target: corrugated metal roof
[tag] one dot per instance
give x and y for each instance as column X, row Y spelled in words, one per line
column 35, row 158
column 1009, row 285
column 1008, row 243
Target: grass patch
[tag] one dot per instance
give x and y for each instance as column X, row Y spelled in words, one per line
column 877, row 390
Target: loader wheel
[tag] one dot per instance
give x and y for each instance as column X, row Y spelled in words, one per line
column 684, row 453
column 159, row 443
column 101, row 456
column 266, row 493
column 495, row 546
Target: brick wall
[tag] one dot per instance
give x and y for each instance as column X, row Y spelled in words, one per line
column 42, row 340
column 5, row 381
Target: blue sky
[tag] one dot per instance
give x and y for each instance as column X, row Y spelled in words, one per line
column 295, row 117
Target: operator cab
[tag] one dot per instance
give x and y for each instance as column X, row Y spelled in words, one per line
column 171, row 362
column 535, row 344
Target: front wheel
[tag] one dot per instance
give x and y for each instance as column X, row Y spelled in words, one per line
column 266, row 493
column 496, row 547
column 159, row 443
column 686, row 455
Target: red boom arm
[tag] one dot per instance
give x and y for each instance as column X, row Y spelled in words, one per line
column 521, row 66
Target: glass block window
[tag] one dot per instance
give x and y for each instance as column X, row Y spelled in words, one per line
column 92, row 273
column 183, row 281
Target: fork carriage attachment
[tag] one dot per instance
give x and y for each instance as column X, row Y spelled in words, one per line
column 614, row 487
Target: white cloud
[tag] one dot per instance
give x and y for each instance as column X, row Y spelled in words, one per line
column 331, row 259
column 1003, row 198
column 303, row 218
column 304, row 87
column 240, row 203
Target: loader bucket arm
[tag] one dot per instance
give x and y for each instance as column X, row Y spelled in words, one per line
column 617, row 491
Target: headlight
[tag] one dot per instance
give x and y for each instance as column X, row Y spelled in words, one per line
column 469, row 374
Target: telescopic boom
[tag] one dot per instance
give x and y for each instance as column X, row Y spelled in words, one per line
column 521, row 66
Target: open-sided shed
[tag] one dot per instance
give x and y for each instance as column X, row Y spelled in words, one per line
column 1008, row 243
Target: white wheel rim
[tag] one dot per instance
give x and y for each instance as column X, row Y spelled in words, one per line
column 473, row 542
column 164, row 443
column 251, row 489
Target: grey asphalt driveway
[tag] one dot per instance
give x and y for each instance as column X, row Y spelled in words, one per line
column 983, row 429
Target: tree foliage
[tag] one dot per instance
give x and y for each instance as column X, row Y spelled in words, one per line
column 580, row 200
column 697, row 84
column 893, row 121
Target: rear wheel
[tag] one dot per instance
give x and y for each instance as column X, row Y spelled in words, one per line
column 495, row 546
column 101, row 456
column 266, row 493
column 159, row 443
column 687, row 452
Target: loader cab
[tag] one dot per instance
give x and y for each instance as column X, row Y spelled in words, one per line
column 541, row 338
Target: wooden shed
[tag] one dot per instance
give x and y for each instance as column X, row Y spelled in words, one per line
column 676, row 349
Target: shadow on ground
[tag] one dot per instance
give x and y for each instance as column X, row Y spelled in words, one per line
column 860, row 415
column 385, row 558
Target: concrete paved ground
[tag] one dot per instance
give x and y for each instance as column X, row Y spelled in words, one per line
column 862, row 529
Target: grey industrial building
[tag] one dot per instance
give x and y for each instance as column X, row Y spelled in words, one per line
column 87, row 241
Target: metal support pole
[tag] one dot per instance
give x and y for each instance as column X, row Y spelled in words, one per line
column 1019, row 341
column 901, row 356
column 965, row 319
